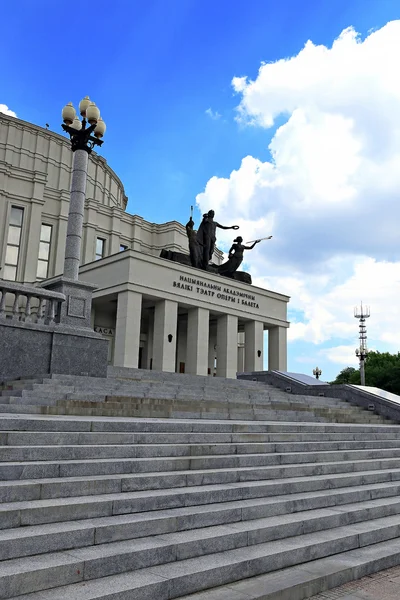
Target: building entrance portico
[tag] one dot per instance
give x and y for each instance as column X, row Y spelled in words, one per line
column 169, row 317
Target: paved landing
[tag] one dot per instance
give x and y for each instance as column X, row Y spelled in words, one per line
column 384, row 585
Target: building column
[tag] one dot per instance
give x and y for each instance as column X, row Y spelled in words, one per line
column 277, row 349
column 227, row 346
column 127, row 329
column 197, row 341
column 165, row 332
column 253, row 346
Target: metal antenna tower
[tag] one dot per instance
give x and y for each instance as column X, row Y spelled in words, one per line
column 362, row 350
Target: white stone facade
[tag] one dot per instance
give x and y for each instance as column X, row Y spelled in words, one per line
column 157, row 314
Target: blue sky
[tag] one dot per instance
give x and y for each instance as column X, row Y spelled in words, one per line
column 154, row 68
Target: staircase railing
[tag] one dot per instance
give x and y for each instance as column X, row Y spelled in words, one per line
column 22, row 302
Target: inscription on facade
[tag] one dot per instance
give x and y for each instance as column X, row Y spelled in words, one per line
column 104, row 330
column 213, row 290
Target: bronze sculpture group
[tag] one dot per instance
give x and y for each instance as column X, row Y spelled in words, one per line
column 202, row 245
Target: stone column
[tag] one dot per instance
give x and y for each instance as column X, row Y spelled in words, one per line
column 253, row 345
column 227, row 346
column 165, row 332
column 127, row 329
column 197, row 341
column 277, row 349
column 75, row 216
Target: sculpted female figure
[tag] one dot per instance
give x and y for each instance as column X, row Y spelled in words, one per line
column 206, row 236
column 235, row 257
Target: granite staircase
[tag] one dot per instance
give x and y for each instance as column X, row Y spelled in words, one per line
column 140, row 393
column 147, row 486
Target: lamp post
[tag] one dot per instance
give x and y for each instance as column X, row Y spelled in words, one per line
column 317, row 372
column 82, row 143
column 75, row 312
column 362, row 350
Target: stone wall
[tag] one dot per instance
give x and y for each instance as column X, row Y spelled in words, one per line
column 32, row 349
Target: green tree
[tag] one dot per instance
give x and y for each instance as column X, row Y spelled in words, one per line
column 346, row 375
column 382, row 370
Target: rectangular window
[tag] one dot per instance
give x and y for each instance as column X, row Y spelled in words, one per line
column 44, row 251
column 13, row 243
column 122, row 247
column 100, row 248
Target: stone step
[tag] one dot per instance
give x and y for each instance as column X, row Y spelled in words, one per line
column 53, row 397
column 86, row 504
column 140, row 425
column 194, row 411
column 280, row 514
column 138, row 445
column 178, row 564
column 223, row 455
column 40, row 390
column 145, row 389
column 292, row 583
column 27, row 397
column 214, row 468
column 177, row 379
column 290, row 442
column 18, row 410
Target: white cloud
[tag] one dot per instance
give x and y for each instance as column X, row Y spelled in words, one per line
column 213, row 114
column 330, row 192
column 342, row 355
column 5, row 110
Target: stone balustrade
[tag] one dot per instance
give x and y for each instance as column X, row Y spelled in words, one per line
column 28, row 303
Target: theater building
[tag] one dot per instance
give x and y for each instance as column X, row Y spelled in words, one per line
column 156, row 314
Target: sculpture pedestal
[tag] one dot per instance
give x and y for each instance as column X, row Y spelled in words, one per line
column 184, row 259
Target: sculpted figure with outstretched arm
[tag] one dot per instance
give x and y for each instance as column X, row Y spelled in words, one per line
column 235, row 256
column 206, row 236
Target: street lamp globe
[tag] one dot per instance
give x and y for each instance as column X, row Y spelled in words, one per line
column 83, row 104
column 92, row 113
column 68, row 113
column 76, row 124
column 100, row 128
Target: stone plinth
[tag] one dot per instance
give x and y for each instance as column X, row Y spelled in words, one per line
column 76, row 310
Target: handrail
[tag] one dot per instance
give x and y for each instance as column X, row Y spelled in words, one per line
column 47, row 303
